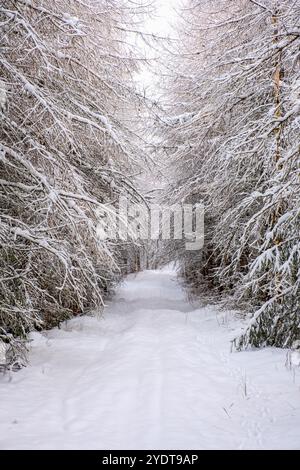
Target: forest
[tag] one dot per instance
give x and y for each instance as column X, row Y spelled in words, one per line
column 96, row 106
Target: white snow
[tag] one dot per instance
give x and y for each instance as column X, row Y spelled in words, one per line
column 295, row 358
column 71, row 20
column 74, row 23
column 2, row 352
column 155, row 373
column 3, row 96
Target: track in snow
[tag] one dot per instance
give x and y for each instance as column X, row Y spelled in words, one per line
column 154, row 373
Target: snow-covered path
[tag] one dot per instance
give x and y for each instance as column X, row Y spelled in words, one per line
column 154, row 373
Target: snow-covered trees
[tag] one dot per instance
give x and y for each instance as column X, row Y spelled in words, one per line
column 67, row 149
column 70, row 145
column 233, row 141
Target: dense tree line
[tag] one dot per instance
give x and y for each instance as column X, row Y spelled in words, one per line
column 68, row 148
column 230, row 137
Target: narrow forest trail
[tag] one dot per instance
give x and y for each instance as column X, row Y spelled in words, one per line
column 155, row 373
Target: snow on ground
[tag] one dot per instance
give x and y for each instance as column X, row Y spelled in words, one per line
column 155, row 373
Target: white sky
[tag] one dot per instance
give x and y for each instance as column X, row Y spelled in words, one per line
column 160, row 24
column 165, row 16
